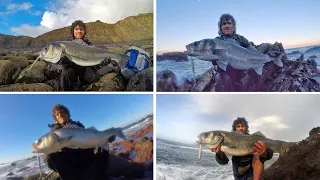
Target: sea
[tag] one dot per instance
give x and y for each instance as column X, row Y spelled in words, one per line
column 183, row 70
column 179, row 161
column 30, row 166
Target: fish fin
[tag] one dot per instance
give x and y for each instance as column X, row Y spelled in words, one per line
column 64, row 140
column 92, row 128
column 222, row 64
column 258, row 69
column 277, row 60
column 219, row 52
column 258, row 133
column 115, row 131
column 119, row 133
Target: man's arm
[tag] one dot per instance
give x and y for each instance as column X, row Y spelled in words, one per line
column 258, row 168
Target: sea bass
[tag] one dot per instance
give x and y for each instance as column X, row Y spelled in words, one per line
column 75, row 137
column 238, row 144
column 229, row 53
column 80, row 54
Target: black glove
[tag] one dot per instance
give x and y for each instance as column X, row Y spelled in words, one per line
column 112, row 138
column 106, row 61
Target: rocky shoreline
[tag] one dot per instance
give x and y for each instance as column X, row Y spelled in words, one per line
column 300, row 162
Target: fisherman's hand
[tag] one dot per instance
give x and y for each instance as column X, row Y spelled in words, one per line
column 112, row 138
column 106, row 61
column 259, row 149
column 217, row 149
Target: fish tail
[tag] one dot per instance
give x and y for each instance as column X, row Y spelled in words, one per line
column 277, row 60
column 118, row 132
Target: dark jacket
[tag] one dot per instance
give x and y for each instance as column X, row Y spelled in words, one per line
column 242, row 41
column 242, row 163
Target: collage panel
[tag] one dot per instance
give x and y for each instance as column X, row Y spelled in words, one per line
column 238, row 136
column 76, row 45
column 243, row 46
column 52, row 137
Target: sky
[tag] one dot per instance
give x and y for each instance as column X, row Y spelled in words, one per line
column 34, row 17
column 181, row 118
column 294, row 23
column 25, row 118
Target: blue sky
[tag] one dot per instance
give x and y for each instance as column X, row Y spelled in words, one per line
column 34, row 17
column 292, row 22
column 285, row 117
column 25, row 118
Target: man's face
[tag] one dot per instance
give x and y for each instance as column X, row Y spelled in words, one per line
column 241, row 128
column 227, row 28
column 61, row 117
column 78, row 32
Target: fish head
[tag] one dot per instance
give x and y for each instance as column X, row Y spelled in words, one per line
column 200, row 48
column 51, row 52
column 46, row 144
column 211, row 139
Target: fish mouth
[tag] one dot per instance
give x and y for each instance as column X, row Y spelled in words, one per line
column 34, row 148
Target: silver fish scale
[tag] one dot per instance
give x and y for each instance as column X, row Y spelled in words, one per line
column 241, row 55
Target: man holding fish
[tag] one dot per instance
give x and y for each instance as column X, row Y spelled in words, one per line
column 245, row 167
column 234, row 55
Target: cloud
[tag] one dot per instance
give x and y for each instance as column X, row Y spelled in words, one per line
column 62, row 13
column 28, row 30
column 13, row 8
column 17, row 7
column 36, row 13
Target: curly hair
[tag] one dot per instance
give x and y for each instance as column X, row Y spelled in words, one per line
column 62, row 109
column 226, row 17
column 78, row 23
column 240, row 120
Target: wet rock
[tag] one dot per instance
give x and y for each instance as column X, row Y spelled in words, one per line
column 142, row 81
column 166, row 81
column 301, row 58
column 7, row 70
column 302, row 161
column 19, row 61
column 314, row 131
column 144, row 147
column 292, row 77
column 174, row 56
column 204, row 83
column 108, row 82
column 143, row 131
column 53, row 71
column 33, row 75
column 26, row 87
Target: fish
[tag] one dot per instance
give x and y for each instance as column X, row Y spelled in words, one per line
column 75, row 137
column 238, row 144
column 80, row 54
column 229, row 53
